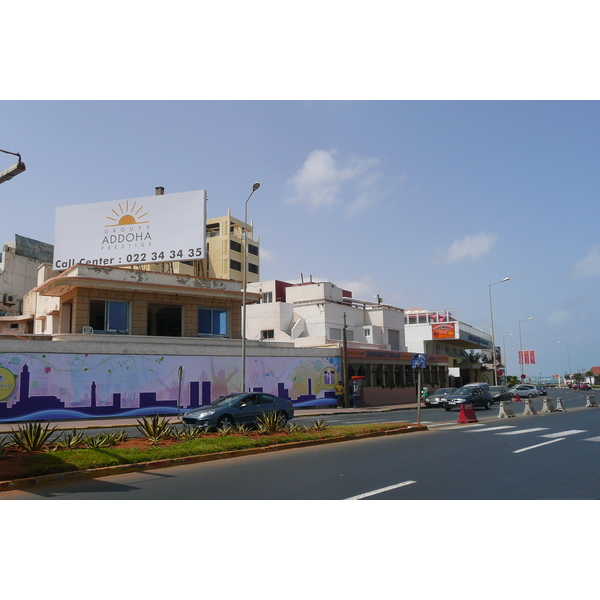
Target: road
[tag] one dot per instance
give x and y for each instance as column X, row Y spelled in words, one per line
column 543, row 456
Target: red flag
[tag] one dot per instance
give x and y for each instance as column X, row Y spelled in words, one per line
column 520, row 357
column 526, row 352
column 532, row 356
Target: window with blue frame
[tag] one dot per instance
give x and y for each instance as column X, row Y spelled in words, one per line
column 212, row 322
column 109, row 316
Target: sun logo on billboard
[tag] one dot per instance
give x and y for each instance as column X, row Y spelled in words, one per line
column 127, row 216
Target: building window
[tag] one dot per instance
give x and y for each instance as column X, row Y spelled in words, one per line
column 253, row 268
column 235, row 246
column 212, row 322
column 267, row 334
column 267, row 298
column 335, row 334
column 235, row 265
column 109, row 316
column 165, row 319
column 394, row 339
column 367, row 333
column 252, row 249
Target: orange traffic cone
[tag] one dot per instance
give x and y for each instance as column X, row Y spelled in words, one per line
column 517, row 399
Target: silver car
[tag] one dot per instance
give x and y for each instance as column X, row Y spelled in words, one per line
column 239, row 408
column 437, row 398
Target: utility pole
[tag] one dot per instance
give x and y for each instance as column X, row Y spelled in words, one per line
column 345, row 363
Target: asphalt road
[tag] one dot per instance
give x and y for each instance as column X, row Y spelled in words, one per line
column 543, row 456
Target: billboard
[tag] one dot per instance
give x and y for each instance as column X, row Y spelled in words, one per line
column 445, row 331
column 153, row 229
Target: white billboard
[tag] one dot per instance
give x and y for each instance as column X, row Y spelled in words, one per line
column 153, row 229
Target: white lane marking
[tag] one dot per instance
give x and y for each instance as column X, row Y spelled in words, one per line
column 594, row 439
column 381, row 490
column 493, row 428
column 523, row 431
column 538, row 445
column 560, row 433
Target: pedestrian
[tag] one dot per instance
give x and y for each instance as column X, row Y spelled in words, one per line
column 425, row 394
column 339, row 390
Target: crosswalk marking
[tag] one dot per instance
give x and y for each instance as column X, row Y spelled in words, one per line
column 492, row 428
column 593, row 439
column 562, row 433
column 520, row 431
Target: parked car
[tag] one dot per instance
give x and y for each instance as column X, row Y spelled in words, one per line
column 480, row 384
column 500, row 393
column 585, row 386
column 542, row 391
column 524, row 391
column 239, row 408
column 469, row 395
column 436, row 399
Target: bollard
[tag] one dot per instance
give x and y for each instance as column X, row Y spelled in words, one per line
column 529, row 408
column 467, row 414
column 548, row 406
column 559, row 405
column 589, row 401
column 506, row 409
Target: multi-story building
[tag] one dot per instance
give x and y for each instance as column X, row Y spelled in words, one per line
column 441, row 332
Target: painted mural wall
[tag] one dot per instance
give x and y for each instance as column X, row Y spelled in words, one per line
column 49, row 386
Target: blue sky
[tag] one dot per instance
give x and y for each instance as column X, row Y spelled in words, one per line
column 422, row 202
column 419, row 155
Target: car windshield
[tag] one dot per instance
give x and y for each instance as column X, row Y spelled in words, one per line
column 466, row 391
column 229, row 400
column 496, row 389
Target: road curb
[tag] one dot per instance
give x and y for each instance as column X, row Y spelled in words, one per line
column 20, row 484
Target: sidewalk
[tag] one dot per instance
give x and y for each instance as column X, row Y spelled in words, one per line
column 117, row 423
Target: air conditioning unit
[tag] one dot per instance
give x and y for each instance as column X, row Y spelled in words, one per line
column 9, row 299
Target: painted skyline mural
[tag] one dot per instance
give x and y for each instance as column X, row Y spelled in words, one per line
column 73, row 386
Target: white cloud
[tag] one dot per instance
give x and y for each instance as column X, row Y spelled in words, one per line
column 560, row 316
column 589, row 265
column 322, row 182
column 469, row 247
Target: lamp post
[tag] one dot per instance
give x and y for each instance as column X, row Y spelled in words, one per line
column 244, row 284
column 492, row 320
column 9, row 173
column 568, row 355
column 521, row 344
column 505, row 357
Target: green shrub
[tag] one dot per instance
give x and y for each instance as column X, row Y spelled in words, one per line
column 269, row 422
column 71, row 440
column 155, row 429
column 318, row 425
column 32, row 437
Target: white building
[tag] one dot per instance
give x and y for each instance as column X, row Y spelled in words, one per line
column 315, row 314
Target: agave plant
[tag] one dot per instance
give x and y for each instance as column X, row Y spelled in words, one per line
column 155, row 429
column 269, row 422
column 295, row 428
column 224, row 430
column 101, row 440
column 241, row 428
column 32, row 437
column 71, row 440
column 318, row 425
column 121, row 436
column 4, row 444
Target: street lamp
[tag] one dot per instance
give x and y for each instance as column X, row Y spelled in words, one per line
column 244, row 284
column 505, row 356
column 568, row 355
column 521, row 344
column 492, row 320
column 9, row 173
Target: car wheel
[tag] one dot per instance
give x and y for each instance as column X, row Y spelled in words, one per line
column 283, row 418
column 488, row 405
column 225, row 421
column 447, row 408
column 530, row 395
